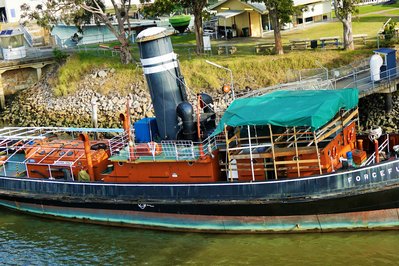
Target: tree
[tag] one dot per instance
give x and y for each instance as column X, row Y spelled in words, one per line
column 280, row 12
column 343, row 11
column 196, row 7
column 79, row 12
column 167, row 6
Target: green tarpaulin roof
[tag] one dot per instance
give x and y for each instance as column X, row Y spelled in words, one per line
column 313, row 108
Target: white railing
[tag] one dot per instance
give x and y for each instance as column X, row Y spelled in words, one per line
column 367, row 84
column 27, row 35
column 384, row 144
column 174, row 150
column 86, row 39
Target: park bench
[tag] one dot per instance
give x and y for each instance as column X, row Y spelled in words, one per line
column 300, row 44
column 329, row 41
column 227, row 49
column 362, row 37
column 264, row 48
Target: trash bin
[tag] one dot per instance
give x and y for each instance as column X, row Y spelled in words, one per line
column 313, row 44
column 245, row 32
column 229, row 34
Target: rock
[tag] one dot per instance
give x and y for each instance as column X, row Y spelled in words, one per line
column 102, row 74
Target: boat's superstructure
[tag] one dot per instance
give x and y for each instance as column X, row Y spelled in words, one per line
column 285, row 161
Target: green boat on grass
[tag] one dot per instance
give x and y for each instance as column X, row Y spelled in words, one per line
column 180, row 22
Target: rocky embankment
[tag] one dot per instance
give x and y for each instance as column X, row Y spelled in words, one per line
column 38, row 106
column 372, row 113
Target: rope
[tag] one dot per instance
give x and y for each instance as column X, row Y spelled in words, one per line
column 375, row 133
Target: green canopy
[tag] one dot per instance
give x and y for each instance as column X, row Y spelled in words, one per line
column 312, row 108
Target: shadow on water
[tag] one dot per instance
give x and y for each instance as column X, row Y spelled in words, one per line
column 28, row 240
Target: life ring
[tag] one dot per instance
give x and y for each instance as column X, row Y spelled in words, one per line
column 148, row 149
column 351, row 135
column 334, row 152
column 153, row 146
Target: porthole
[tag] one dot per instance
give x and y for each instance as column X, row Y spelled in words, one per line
column 42, row 152
column 120, row 163
column 61, row 153
column 70, row 153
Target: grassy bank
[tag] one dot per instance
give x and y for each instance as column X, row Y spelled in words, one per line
column 254, row 71
column 250, row 70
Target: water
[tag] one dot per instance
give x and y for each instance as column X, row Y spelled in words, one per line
column 28, row 240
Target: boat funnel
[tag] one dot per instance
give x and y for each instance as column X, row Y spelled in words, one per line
column 164, row 79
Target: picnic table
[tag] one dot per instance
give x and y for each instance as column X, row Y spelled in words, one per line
column 299, row 44
column 360, row 36
column 266, row 48
column 329, row 40
column 227, row 49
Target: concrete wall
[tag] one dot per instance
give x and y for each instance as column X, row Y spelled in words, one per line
column 318, row 9
column 19, row 79
column 13, row 8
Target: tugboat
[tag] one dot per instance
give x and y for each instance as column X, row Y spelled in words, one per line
column 286, row 161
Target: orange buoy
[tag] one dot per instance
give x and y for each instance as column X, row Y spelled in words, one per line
column 226, row 88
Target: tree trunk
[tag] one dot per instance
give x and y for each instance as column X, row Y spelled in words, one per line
column 278, row 45
column 125, row 54
column 348, row 34
column 198, row 31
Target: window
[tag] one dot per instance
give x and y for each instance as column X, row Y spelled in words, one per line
column 309, row 19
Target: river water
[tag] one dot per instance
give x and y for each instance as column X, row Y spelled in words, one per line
column 29, row 240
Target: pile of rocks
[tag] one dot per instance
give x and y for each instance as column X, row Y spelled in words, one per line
column 372, row 113
column 38, row 106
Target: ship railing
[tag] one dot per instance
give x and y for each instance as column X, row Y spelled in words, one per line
column 384, row 145
column 169, row 150
column 15, row 166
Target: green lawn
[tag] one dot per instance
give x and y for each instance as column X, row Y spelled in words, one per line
column 376, row 8
column 249, row 69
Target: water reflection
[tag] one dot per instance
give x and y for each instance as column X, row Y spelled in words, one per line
column 27, row 240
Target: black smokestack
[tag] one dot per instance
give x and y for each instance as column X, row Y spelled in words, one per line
column 162, row 72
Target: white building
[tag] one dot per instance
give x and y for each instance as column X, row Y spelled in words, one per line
column 10, row 10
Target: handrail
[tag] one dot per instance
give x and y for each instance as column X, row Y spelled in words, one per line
column 27, row 35
column 381, row 147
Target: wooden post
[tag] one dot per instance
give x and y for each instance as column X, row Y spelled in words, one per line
column 94, row 116
column 317, row 151
column 296, row 153
column 274, row 157
column 250, row 153
column 39, row 73
column 230, row 177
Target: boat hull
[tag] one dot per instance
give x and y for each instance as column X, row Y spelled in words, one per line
column 386, row 219
column 361, row 199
